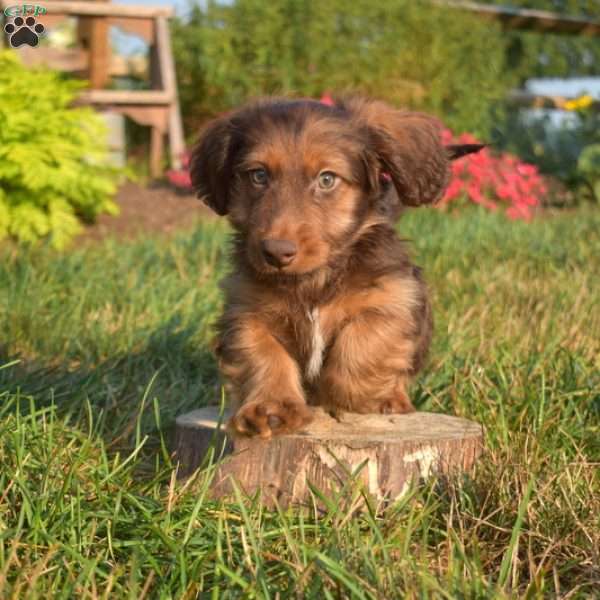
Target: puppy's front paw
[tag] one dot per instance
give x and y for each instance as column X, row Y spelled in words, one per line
column 399, row 404
column 270, row 417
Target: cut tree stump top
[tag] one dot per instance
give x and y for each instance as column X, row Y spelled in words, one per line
column 386, row 453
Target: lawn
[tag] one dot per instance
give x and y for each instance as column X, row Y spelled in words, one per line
column 103, row 346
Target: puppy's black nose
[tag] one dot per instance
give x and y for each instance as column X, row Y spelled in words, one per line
column 279, row 253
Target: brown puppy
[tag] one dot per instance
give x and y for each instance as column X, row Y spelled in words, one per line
column 324, row 306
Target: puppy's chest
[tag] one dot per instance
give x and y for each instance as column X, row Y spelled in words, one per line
column 308, row 341
column 316, row 345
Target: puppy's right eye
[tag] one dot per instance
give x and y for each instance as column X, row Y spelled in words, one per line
column 259, row 177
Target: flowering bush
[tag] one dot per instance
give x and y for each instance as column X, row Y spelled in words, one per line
column 494, row 181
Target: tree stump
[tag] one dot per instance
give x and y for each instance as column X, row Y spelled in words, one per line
column 384, row 452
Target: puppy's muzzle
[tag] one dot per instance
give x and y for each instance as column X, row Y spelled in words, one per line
column 279, row 253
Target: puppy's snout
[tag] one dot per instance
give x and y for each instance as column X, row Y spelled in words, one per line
column 279, row 253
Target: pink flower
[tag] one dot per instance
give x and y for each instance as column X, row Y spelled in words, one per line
column 453, row 191
column 494, row 180
column 327, row 99
column 180, row 179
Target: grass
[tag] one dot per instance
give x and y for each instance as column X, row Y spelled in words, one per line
column 103, row 346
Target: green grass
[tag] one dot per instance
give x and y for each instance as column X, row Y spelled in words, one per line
column 103, row 346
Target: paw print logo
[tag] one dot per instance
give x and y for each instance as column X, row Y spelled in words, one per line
column 24, row 31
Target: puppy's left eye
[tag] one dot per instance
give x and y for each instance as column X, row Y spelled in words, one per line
column 327, row 180
column 259, row 177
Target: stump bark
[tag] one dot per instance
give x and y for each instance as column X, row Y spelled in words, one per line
column 384, row 452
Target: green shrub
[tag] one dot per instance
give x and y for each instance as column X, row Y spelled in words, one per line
column 53, row 158
column 539, row 54
column 410, row 53
column 588, row 167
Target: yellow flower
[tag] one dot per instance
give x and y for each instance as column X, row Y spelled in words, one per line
column 580, row 103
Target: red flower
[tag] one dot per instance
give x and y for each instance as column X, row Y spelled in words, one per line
column 327, row 99
column 494, row 181
column 181, row 178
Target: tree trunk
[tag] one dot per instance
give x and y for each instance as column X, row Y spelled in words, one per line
column 384, row 452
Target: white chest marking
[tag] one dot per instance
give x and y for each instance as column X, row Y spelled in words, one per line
column 315, row 361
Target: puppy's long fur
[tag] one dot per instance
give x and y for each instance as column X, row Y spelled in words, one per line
column 324, row 306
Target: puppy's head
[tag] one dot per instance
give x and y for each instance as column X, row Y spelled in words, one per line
column 300, row 180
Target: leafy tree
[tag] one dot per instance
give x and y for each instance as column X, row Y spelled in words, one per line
column 408, row 52
column 537, row 54
column 566, row 152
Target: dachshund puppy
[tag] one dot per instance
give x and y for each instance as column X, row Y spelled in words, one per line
column 324, row 306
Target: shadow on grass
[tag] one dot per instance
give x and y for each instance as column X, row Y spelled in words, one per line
column 169, row 371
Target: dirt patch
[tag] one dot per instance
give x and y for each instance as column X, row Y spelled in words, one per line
column 160, row 210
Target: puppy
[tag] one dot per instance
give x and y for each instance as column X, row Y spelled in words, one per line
column 324, row 305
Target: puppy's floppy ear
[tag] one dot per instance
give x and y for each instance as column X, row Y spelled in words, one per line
column 210, row 164
column 408, row 146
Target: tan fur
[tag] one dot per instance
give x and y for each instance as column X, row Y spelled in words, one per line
column 347, row 323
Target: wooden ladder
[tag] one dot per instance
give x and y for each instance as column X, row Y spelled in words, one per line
column 157, row 107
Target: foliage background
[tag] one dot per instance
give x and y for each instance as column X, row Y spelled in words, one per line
column 409, row 53
column 532, row 54
column 53, row 167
